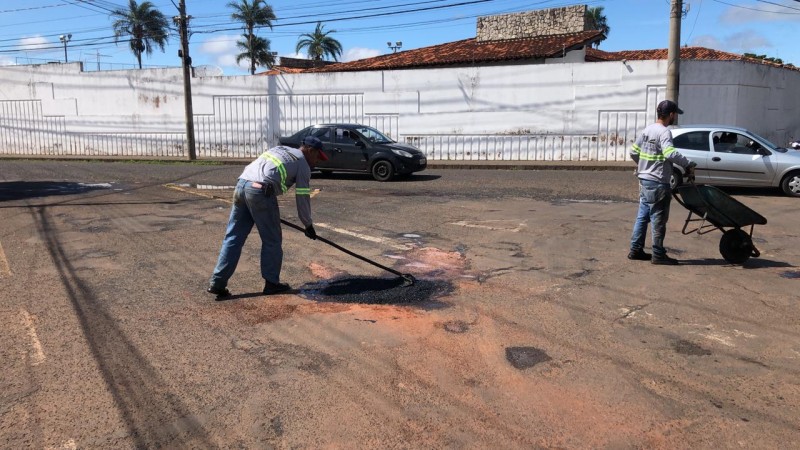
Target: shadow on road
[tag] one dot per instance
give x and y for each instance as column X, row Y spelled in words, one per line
column 752, row 263
column 20, row 190
column 154, row 415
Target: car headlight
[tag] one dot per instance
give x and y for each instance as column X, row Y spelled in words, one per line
column 402, row 153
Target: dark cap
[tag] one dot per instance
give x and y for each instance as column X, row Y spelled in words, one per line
column 666, row 107
column 316, row 144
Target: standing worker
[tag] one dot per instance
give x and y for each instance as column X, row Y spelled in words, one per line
column 255, row 203
column 654, row 154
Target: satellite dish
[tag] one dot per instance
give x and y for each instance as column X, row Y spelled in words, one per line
column 207, row 71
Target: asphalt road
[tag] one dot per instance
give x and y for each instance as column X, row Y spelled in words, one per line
column 527, row 327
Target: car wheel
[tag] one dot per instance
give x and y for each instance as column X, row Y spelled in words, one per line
column 675, row 180
column 382, row 170
column 736, row 246
column 791, row 184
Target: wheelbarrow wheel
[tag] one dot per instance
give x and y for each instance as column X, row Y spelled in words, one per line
column 736, row 246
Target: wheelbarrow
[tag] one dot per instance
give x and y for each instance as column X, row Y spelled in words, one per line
column 714, row 209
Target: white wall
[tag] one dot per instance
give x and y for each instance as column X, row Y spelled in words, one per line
column 559, row 111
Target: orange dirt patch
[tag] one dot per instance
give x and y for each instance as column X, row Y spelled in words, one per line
column 435, row 262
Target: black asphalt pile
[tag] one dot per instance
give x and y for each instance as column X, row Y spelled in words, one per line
column 376, row 291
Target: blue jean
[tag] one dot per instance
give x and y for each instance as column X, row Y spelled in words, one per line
column 251, row 207
column 654, row 199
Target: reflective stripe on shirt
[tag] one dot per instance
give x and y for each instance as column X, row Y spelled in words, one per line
column 278, row 165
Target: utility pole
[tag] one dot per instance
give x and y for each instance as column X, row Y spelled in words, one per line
column 674, row 51
column 182, row 20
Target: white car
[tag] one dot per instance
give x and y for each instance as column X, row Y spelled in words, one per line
column 731, row 156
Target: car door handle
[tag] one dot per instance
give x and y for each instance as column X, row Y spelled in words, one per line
column 716, row 158
column 337, row 150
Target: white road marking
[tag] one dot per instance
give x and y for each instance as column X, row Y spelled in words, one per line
column 37, row 355
column 484, row 224
column 5, row 268
column 69, row 445
column 365, row 237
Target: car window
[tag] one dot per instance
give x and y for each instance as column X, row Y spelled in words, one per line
column 730, row 142
column 323, row 134
column 693, row 140
column 374, row 136
column 345, row 136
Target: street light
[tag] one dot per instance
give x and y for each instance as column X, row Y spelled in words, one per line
column 397, row 45
column 65, row 38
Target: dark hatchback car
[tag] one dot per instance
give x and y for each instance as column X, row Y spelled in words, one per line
column 359, row 148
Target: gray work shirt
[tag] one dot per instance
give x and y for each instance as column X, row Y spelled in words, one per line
column 654, row 154
column 283, row 167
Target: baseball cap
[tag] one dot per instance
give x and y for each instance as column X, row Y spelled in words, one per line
column 668, row 106
column 315, row 143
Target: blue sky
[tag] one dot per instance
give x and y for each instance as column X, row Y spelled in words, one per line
column 30, row 29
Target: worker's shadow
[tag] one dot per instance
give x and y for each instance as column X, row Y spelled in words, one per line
column 396, row 291
column 254, row 295
column 752, row 263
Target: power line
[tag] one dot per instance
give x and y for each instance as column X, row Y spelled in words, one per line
column 754, row 9
column 778, row 4
column 32, row 8
column 360, row 17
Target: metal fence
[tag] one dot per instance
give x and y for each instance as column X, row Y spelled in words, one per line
column 241, row 126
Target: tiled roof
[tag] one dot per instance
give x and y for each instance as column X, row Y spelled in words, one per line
column 687, row 53
column 470, row 51
column 277, row 70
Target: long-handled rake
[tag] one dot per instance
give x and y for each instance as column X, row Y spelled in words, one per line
column 408, row 279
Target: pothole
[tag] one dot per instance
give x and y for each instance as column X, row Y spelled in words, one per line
column 685, row 347
column 456, row 326
column 526, row 357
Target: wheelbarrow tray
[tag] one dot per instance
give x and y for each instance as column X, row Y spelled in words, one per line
column 717, row 210
column 717, row 207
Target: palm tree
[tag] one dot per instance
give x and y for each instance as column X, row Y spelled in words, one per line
column 597, row 21
column 320, row 44
column 256, row 50
column 145, row 25
column 252, row 14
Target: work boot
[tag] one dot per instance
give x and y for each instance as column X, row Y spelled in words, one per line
column 272, row 288
column 639, row 255
column 664, row 260
column 218, row 291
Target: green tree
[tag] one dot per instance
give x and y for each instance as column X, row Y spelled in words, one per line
column 252, row 14
column 320, row 44
column 256, row 50
column 598, row 21
column 145, row 25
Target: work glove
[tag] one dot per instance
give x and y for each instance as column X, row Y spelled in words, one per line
column 268, row 189
column 690, row 170
column 310, row 233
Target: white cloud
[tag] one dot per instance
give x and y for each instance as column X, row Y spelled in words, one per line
column 707, row 41
column 6, row 61
column 748, row 40
column 756, row 12
column 355, row 53
column 219, row 45
column 741, row 42
column 34, row 43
